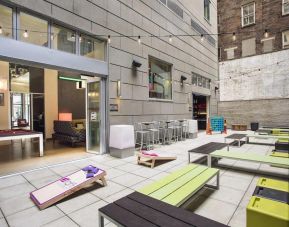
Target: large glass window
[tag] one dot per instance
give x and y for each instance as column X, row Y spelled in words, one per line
column 33, row 30
column 160, row 79
column 172, row 5
column 285, row 7
column 248, row 14
column 63, row 39
column 207, row 9
column 92, row 48
column 200, row 81
column 5, row 21
column 19, row 78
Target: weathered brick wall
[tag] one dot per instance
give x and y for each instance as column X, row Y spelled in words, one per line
column 268, row 16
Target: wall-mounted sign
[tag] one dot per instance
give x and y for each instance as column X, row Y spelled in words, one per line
column 113, row 107
column 93, row 116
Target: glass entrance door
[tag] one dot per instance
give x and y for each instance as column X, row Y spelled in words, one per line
column 93, row 115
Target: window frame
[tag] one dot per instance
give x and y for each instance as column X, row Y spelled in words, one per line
column 283, row 7
column 283, row 39
column 242, row 14
column 209, row 10
column 166, row 5
column 172, row 81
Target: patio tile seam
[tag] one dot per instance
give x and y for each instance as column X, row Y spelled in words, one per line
column 242, row 198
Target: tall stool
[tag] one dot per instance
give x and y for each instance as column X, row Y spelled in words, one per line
column 155, row 132
column 142, row 137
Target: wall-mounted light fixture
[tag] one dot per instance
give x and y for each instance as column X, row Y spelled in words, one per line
column 216, row 89
column 3, row 84
column 118, row 88
column 183, row 78
column 136, row 64
column 80, row 85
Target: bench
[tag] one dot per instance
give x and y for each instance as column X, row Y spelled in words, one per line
column 140, row 210
column 179, row 186
column 283, row 137
column 205, row 150
column 250, row 157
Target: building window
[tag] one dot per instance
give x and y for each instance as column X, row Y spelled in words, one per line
column 248, row 14
column 33, row 30
column 230, row 53
column 200, row 81
column 267, row 45
column 63, row 39
column 91, row 47
column 160, row 79
column 285, row 36
column 219, row 53
column 207, row 9
column 285, row 7
column 173, row 7
column 248, row 47
column 5, row 21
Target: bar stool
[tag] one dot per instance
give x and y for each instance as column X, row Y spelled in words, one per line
column 142, row 137
column 155, row 132
column 178, row 130
column 185, row 128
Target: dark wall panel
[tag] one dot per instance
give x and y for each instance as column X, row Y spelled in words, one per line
column 70, row 99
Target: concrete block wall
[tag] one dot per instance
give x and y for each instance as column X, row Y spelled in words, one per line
column 142, row 17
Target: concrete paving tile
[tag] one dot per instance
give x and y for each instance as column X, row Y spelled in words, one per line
column 87, row 216
column 10, row 181
column 3, row 222
column 61, row 222
column 16, row 204
column 209, row 209
column 118, row 195
column 34, row 217
column 113, row 172
column 128, row 179
column 78, row 201
column 228, row 195
column 159, row 176
column 1, row 215
column 142, row 184
column 108, row 190
column 129, row 167
column 236, row 183
column 131, row 159
column 115, row 162
column 247, row 165
column 39, row 174
column 39, row 183
column 64, row 170
column 238, row 174
column 239, row 218
column 146, row 172
column 14, row 191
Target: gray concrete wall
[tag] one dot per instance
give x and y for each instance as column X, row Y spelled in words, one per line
column 266, row 112
column 142, row 17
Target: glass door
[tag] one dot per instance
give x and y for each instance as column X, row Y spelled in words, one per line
column 93, row 106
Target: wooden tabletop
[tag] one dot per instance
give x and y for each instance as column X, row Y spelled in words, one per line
column 140, row 210
column 236, row 136
column 208, row 148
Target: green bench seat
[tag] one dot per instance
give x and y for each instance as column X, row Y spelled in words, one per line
column 271, row 160
column 179, row 186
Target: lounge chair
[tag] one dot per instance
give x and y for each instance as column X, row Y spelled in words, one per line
column 149, row 158
column 58, row 190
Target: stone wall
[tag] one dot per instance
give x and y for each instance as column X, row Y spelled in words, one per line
column 141, row 17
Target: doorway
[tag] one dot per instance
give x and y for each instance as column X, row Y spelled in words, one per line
column 200, row 110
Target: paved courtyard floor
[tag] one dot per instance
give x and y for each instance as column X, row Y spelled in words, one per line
column 226, row 205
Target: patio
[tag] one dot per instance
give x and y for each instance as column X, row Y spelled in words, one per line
column 125, row 176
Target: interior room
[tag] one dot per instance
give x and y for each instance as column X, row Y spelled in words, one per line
column 200, row 110
column 52, row 103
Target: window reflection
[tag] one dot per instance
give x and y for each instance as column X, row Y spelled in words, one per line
column 92, row 48
column 160, row 79
column 33, row 30
column 63, row 39
column 5, row 21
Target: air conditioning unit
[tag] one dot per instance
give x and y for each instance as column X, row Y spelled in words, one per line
column 286, row 40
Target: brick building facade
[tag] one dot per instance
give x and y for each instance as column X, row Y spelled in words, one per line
column 268, row 16
column 254, row 67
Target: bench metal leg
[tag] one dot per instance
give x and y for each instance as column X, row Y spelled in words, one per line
column 189, row 157
column 209, row 158
column 100, row 220
column 217, row 186
column 239, row 143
